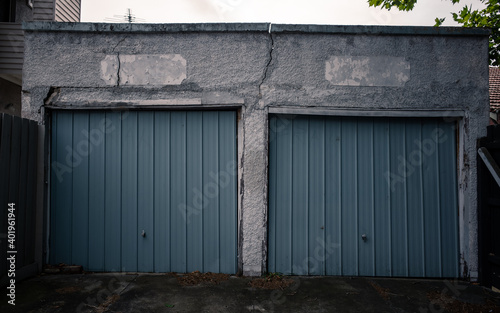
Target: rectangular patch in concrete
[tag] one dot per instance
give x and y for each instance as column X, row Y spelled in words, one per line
column 367, row 71
column 143, row 69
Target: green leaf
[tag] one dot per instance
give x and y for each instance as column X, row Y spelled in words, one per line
column 439, row 21
column 402, row 5
column 489, row 17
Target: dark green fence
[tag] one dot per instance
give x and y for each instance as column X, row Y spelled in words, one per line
column 18, row 159
column 489, row 207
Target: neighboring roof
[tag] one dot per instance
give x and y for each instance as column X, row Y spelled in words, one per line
column 256, row 27
column 494, row 88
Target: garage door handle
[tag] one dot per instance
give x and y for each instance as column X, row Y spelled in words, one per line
column 364, row 237
column 143, row 234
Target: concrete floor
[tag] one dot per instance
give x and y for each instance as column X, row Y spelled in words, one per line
column 162, row 293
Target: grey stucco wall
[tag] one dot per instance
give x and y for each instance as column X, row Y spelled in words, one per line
column 308, row 69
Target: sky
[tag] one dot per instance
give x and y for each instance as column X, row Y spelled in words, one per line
column 332, row 12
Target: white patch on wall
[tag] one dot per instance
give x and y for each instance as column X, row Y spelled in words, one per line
column 143, row 69
column 367, row 71
column 109, row 69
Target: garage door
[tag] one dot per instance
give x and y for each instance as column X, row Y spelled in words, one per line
column 144, row 191
column 362, row 196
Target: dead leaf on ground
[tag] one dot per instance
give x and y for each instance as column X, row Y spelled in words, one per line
column 451, row 304
column 103, row 307
column 271, row 282
column 196, row 278
column 383, row 292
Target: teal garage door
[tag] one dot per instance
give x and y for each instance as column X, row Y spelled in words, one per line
column 144, row 191
column 362, row 196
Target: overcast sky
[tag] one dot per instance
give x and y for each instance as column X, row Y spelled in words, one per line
column 334, row 12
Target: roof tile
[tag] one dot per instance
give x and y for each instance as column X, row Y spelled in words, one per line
column 494, row 88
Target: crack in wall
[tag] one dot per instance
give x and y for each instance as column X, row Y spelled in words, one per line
column 119, row 42
column 271, row 48
column 118, row 60
column 118, row 71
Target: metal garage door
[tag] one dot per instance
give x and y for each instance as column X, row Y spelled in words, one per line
column 144, row 191
column 362, row 196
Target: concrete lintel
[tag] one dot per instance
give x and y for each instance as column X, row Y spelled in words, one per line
column 188, row 107
column 451, row 113
column 212, row 101
column 221, row 98
column 105, row 104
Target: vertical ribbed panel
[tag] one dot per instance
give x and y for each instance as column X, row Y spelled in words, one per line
column 145, row 191
column 162, row 191
column 97, row 203
column 112, row 192
column 80, row 191
column 381, row 200
column 209, row 213
column 334, row 179
column 129, row 193
column 61, row 210
column 227, row 180
column 194, row 154
column 169, row 174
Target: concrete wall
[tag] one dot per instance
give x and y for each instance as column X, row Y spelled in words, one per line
column 308, row 69
column 23, row 12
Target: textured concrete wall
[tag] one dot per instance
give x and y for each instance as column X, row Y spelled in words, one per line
column 307, row 68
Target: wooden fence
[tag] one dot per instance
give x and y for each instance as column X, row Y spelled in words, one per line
column 489, row 207
column 18, row 160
